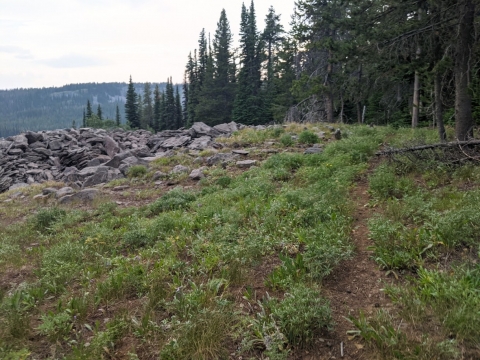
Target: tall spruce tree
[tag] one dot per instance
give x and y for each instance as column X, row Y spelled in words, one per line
column 202, row 58
column 193, row 87
column 185, row 100
column 99, row 113
column 117, row 117
column 249, row 102
column 273, row 39
column 131, row 107
column 140, row 111
column 170, row 111
column 218, row 92
column 178, row 109
column 147, row 107
column 89, row 110
column 157, row 109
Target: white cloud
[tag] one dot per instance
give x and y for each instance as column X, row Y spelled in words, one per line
column 76, row 39
column 73, row 61
column 18, row 52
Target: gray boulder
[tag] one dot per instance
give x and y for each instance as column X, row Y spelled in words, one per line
column 85, row 195
column 200, row 143
column 197, row 174
column 227, row 128
column 59, row 193
column 179, row 169
column 244, row 164
column 202, row 129
column 111, row 146
column 176, row 142
column 118, row 158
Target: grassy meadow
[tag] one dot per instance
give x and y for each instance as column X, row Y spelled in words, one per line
column 232, row 266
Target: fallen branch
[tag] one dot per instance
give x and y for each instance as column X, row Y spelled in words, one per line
column 455, row 144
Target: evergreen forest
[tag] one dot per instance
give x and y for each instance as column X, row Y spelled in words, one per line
column 60, row 107
column 403, row 63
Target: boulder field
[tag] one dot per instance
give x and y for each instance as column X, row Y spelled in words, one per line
column 86, row 157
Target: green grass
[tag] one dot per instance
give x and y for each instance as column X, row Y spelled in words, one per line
column 173, row 279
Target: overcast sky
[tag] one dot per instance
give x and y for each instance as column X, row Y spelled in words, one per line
column 57, row 42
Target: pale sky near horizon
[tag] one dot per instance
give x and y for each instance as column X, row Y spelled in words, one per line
column 58, row 42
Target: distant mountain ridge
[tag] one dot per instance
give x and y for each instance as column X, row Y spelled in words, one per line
column 58, row 107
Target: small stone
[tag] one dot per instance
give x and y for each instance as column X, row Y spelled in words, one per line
column 40, row 197
column 179, row 169
column 246, row 164
column 159, row 175
column 64, row 191
column 313, row 150
column 197, row 174
column 121, row 188
column 18, row 186
column 240, row 152
column 48, row 191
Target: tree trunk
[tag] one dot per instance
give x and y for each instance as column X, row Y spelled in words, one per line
column 439, row 107
column 359, row 112
column 416, row 84
column 328, row 94
column 463, row 99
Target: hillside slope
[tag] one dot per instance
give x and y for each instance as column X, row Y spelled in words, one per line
column 57, row 107
column 312, row 249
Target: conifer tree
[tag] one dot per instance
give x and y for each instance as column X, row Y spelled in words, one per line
column 147, row 107
column 131, row 107
column 157, row 109
column 89, row 110
column 218, row 92
column 99, row 113
column 170, row 113
column 202, row 58
column 140, row 111
column 193, row 87
column 178, row 109
column 84, row 121
column 185, row 100
column 248, row 106
column 117, row 116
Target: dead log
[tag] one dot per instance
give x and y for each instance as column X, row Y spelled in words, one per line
column 456, row 144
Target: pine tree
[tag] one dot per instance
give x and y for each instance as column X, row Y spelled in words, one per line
column 89, row 110
column 170, row 113
column 117, row 117
column 218, row 92
column 147, row 107
column 202, row 58
column 157, row 109
column 272, row 36
column 193, row 88
column 99, row 112
column 84, row 121
column 131, row 107
column 140, row 111
column 248, row 106
column 178, row 109
column 185, row 100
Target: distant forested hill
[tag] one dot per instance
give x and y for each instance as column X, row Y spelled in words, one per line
column 57, row 107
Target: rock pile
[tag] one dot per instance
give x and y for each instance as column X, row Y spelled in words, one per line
column 86, row 157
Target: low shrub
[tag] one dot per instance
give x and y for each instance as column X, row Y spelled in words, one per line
column 307, row 137
column 137, row 171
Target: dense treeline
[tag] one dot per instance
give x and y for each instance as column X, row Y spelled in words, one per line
column 402, row 63
column 154, row 110
column 396, row 62
column 59, row 107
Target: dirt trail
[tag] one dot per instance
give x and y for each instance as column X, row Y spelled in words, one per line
column 354, row 286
